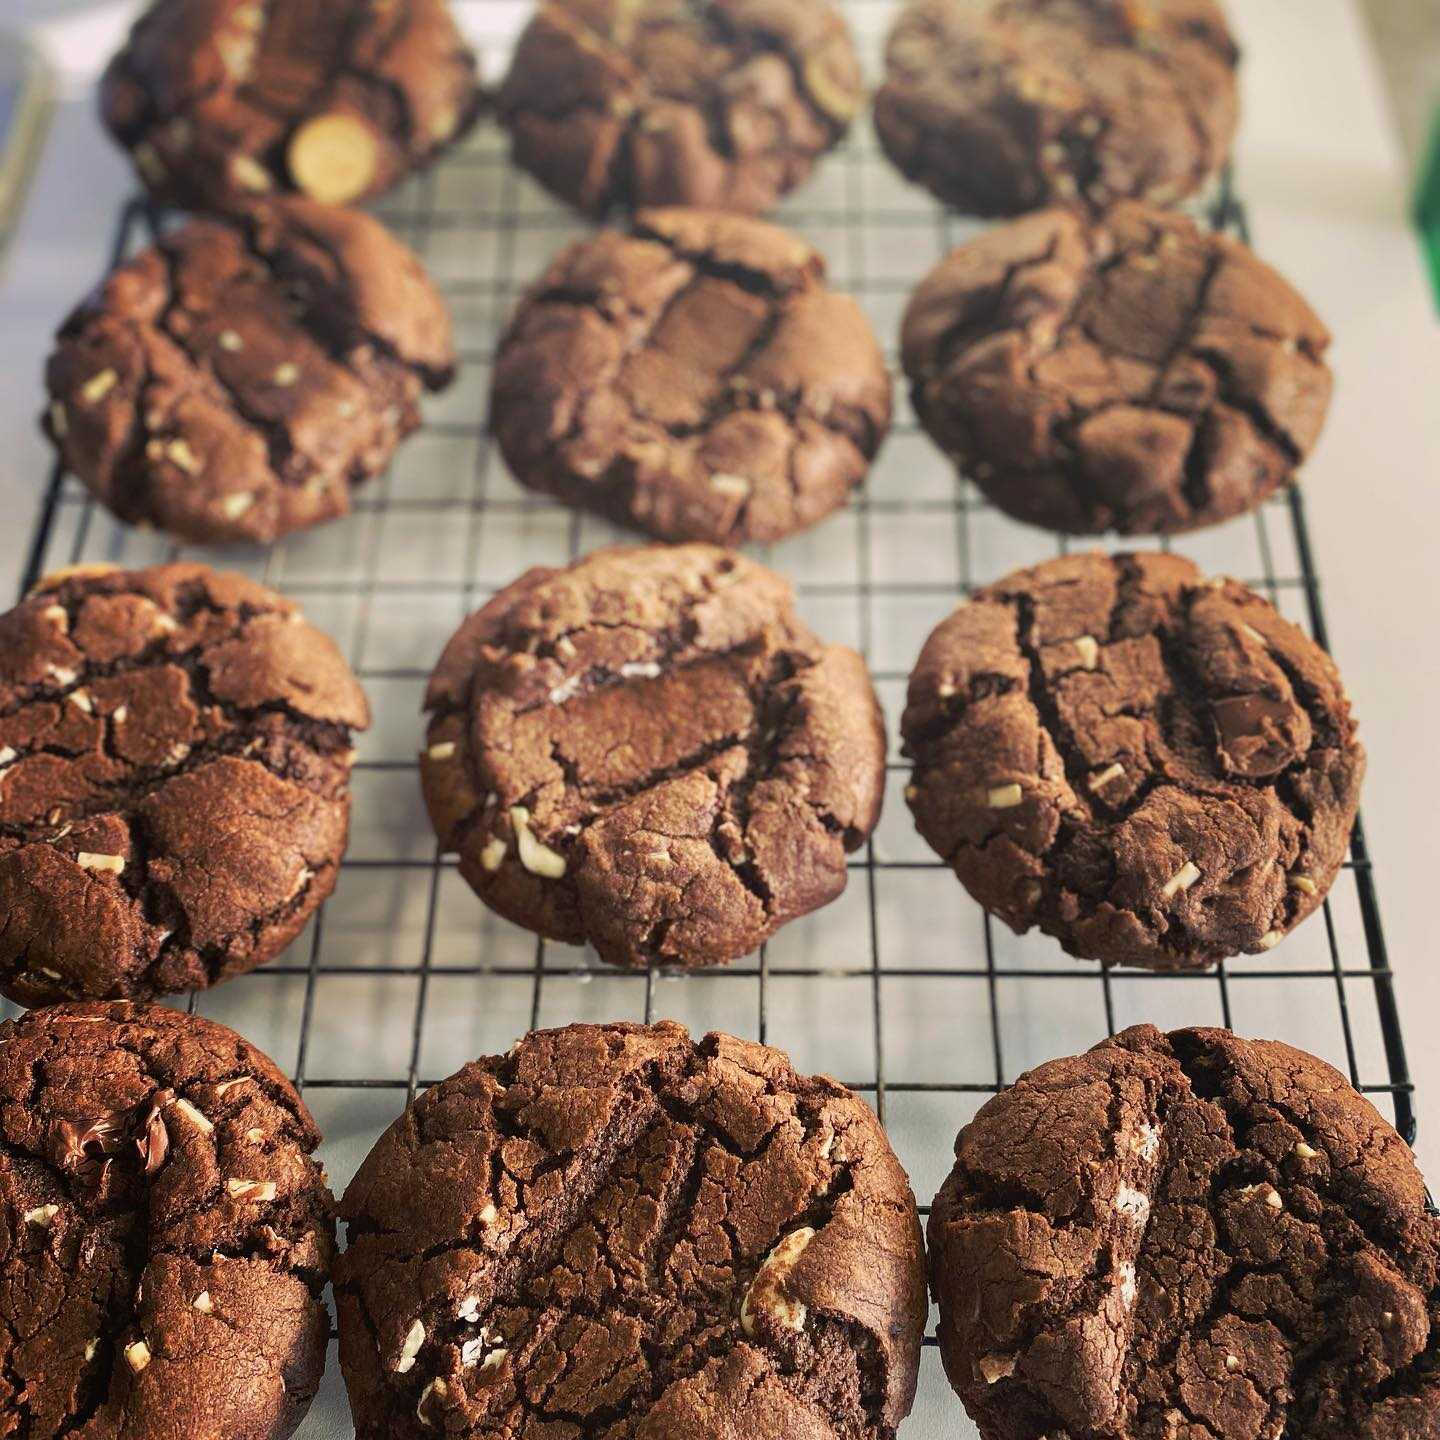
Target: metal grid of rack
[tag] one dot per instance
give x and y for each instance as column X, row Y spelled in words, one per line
column 903, row 988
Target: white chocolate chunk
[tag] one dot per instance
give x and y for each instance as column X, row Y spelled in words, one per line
column 81, row 700
column 41, row 1216
column 8, row 756
column 537, row 858
column 113, row 863
column 286, row 375
column 249, row 174
column 469, row 1309
column 443, row 751
column 488, row 1215
column 1107, row 776
column 203, row 1303
column 494, row 852
column 195, row 1117
column 137, row 1356
column 736, row 486
column 1182, row 879
column 259, row 1190
column 98, row 386
column 638, row 671
column 767, row 1291
column 230, row 340
column 1089, row 649
column 1302, row 1151
column 1125, row 1283
column 994, row 1368
column 59, row 420
column 61, row 674
column 91, row 1346
column 414, row 1339
column 1232, row 1363
column 1270, row 939
column 334, row 158
column 121, row 715
column 179, row 453
column 1133, row 1203
column 234, row 506
column 1004, row 797
column 1304, row 884
column 1254, row 634
column 436, row 1390
column 566, row 690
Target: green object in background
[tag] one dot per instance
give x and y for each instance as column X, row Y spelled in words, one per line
column 1427, row 207
column 25, row 99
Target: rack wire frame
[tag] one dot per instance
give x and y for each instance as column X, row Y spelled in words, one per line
column 478, row 210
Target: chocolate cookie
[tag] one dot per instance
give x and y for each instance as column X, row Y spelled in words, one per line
column 614, row 1231
column 648, row 750
column 1188, row 1237
column 695, row 378
column 1133, row 373
column 174, row 780
column 1005, row 106
column 234, row 383
column 1152, row 767
column 165, row 1235
column 724, row 104
column 219, row 102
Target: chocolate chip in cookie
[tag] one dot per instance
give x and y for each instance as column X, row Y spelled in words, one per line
column 648, row 750
column 235, row 382
column 1003, row 106
column 1133, row 373
column 723, row 104
column 165, row 1234
column 615, row 1230
column 221, row 102
column 1188, row 1237
column 1153, row 767
column 695, row 378
column 174, row 780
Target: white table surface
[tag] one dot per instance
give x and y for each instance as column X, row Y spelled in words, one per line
column 1320, row 167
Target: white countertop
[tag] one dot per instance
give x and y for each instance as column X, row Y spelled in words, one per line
column 1321, row 169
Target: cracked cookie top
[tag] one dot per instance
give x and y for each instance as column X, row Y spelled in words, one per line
column 1188, row 1237
column 614, row 1231
column 221, row 101
column 1153, row 767
column 165, row 1235
column 234, row 382
column 722, row 104
column 174, row 780
column 1133, row 373
column 1002, row 106
column 696, row 378
column 649, row 751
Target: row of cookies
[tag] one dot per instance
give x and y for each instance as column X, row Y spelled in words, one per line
column 617, row 1231
column 649, row 751
column 695, row 378
column 998, row 108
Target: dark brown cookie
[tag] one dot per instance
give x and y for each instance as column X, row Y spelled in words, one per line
column 648, row 750
column 1133, row 373
column 616, row 1232
column 695, row 378
column 1188, row 1237
column 174, row 780
column 1153, row 767
column 165, row 1235
column 221, row 101
column 1005, row 106
column 235, row 383
column 723, row 104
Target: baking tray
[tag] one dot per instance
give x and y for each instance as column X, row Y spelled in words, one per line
column 903, row 988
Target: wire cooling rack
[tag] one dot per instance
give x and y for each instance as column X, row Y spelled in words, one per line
column 903, row 988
